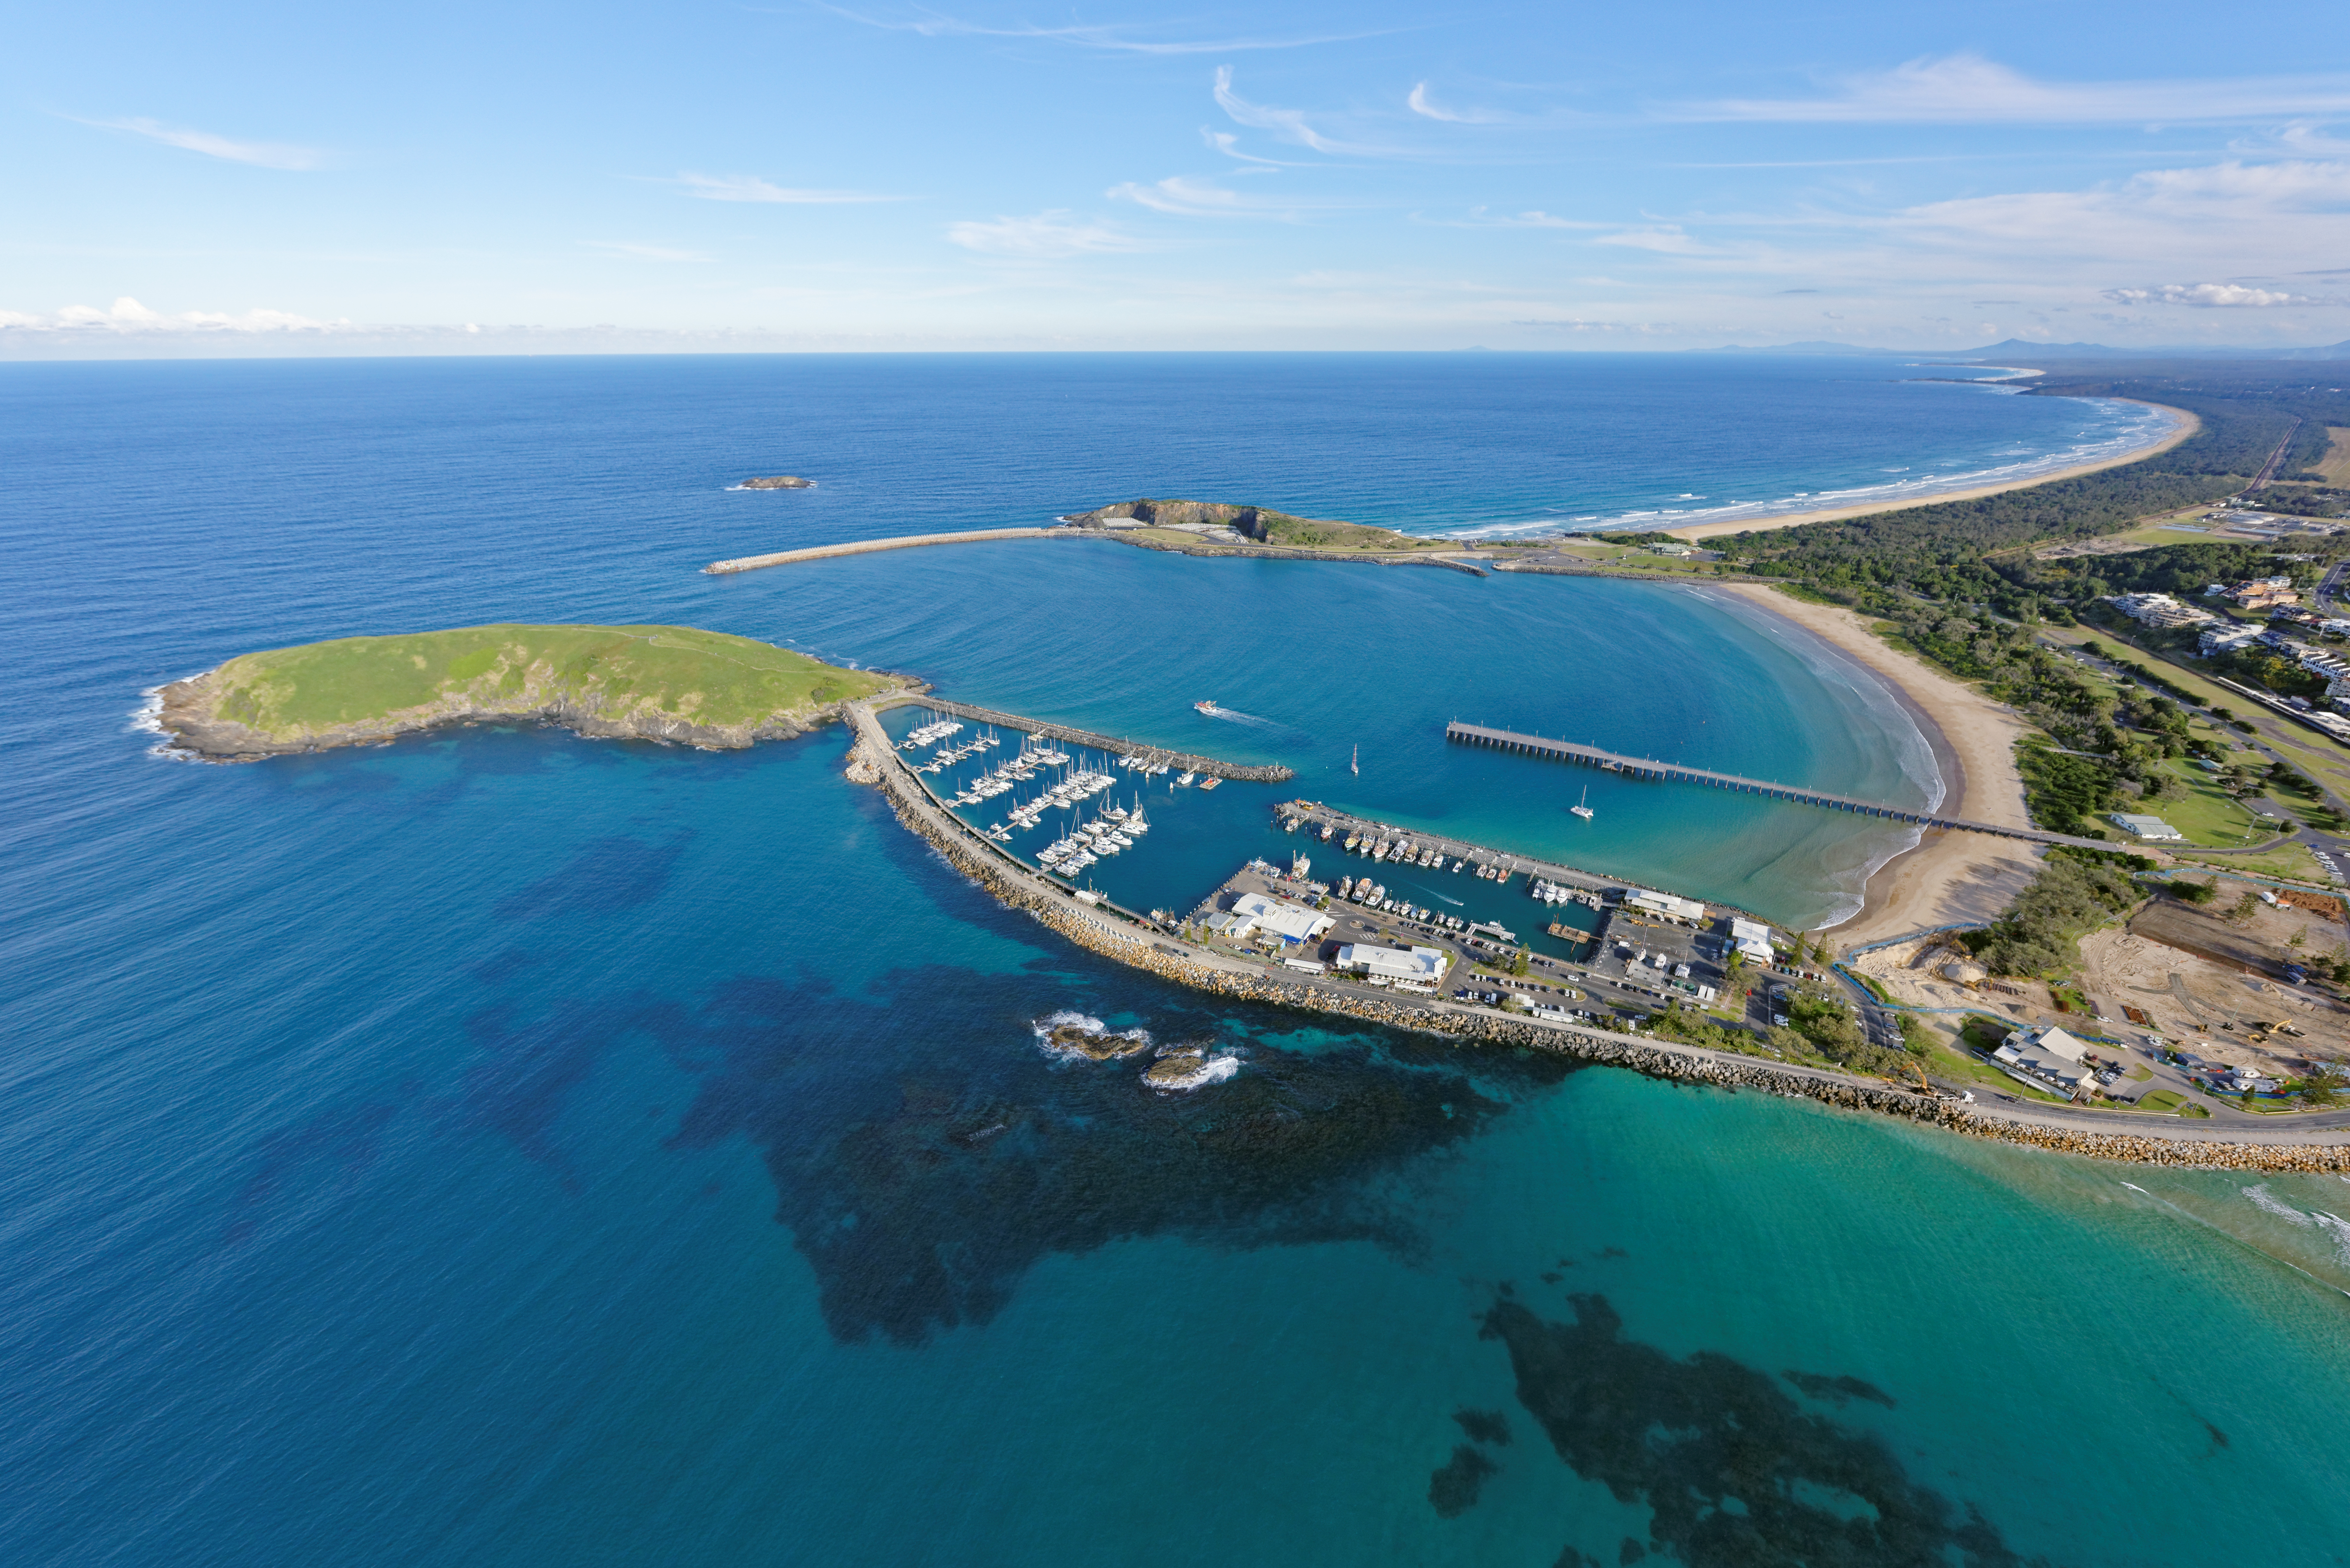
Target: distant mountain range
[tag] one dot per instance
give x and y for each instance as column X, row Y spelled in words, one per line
column 2015, row 346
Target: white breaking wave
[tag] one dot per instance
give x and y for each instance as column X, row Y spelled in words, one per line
column 147, row 719
column 2141, row 427
column 1211, row 1070
column 2262, row 1199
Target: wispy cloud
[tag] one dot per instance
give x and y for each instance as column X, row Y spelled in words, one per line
column 2208, row 295
column 128, row 316
column 643, row 253
column 1665, row 239
column 934, row 25
column 751, row 188
column 1484, row 218
column 1186, row 196
column 1289, row 124
column 1225, row 142
column 1044, row 236
column 261, row 154
column 1421, row 104
column 1967, row 89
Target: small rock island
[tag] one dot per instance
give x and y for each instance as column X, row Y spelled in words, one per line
column 668, row 683
column 1219, row 522
column 780, row 482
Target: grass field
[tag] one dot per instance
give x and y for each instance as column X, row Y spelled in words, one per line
column 2292, row 862
column 2207, row 815
column 705, row 676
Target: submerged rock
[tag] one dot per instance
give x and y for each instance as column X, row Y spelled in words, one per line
column 780, row 482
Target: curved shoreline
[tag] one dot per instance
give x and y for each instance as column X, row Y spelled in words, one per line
column 2187, row 425
column 1944, row 878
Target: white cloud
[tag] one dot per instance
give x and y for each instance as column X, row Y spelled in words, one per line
column 1186, row 197
column 1484, row 218
column 751, row 188
column 1420, row 103
column 261, row 154
column 128, row 316
column 2206, row 294
column 1666, row 239
column 930, row 25
column 1289, row 124
column 1967, row 89
column 1044, row 236
column 643, row 253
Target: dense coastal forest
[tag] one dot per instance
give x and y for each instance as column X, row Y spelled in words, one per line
column 1964, row 586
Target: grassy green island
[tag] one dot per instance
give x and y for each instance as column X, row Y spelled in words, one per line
column 652, row 682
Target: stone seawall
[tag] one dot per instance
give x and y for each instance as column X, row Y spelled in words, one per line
column 1146, row 950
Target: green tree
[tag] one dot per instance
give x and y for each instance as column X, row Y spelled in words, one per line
column 1518, row 964
column 2323, row 1086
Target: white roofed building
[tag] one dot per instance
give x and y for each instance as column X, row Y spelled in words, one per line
column 1665, row 905
column 1426, row 965
column 1253, row 912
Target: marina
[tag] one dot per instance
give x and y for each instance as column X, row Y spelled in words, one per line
column 1156, row 757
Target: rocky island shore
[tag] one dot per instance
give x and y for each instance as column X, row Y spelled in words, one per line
column 673, row 684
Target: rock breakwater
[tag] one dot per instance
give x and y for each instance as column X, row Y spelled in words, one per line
column 1141, row 948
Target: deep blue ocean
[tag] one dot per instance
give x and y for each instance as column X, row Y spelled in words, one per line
column 505, row 1148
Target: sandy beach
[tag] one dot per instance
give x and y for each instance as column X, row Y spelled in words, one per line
column 2189, row 424
column 1950, row 877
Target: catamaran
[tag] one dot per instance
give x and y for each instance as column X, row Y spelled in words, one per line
column 1581, row 808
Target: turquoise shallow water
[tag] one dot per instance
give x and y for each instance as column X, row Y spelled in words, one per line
column 510, row 1149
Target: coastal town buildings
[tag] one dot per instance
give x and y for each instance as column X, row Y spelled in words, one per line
column 2159, row 610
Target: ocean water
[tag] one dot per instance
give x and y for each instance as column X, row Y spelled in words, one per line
column 507, row 1148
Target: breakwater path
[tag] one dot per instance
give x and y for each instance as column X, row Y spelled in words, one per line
column 1646, row 767
column 1265, row 773
column 1129, row 939
column 867, row 546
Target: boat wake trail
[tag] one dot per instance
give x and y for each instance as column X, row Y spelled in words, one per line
column 1250, row 719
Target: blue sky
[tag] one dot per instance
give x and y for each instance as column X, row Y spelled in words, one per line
column 273, row 178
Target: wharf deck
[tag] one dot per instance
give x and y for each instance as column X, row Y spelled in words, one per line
column 1191, row 761
column 1308, row 813
column 1648, row 767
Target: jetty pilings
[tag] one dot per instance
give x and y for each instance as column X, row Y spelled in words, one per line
column 1675, row 772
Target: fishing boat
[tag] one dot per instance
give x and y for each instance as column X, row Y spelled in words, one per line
column 1208, row 707
column 1581, row 808
column 1210, row 783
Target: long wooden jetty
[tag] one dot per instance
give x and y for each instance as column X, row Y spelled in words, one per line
column 1674, row 772
column 1191, row 761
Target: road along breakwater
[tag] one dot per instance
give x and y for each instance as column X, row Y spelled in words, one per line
column 1214, row 767
column 867, row 547
column 1131, row 940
